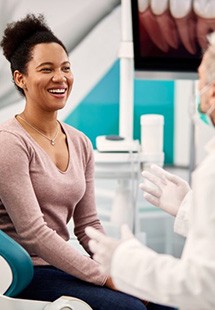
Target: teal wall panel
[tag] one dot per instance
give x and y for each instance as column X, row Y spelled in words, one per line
column 156, row 97
column 98, row 113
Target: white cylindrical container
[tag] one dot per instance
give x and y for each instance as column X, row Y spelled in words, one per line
column 152, row 133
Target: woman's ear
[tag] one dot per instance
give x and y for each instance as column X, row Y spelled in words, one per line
column 19, row 79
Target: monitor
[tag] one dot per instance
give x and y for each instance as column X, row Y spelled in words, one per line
column 163, row 47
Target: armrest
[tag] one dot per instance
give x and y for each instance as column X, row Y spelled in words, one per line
column 19, row 261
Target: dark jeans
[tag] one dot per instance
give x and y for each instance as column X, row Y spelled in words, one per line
column 50, row 283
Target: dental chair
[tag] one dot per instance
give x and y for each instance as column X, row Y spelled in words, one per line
column 16, row 272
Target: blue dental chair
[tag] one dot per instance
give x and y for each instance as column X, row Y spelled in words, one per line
column 16, row 272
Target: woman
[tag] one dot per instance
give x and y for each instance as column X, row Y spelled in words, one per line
column 47, row 174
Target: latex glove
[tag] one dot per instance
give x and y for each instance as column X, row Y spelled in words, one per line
column 103, row 246
column 164, row 190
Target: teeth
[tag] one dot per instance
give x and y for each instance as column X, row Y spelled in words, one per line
column 204, row 8
column 158, row 7
column 168, row 29
column 149, row 23
column 170, row 22
column 166, row 24
column 180, row 8
column 143, row 5
column 57, row 91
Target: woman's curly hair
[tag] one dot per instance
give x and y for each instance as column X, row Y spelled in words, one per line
column 21, row 36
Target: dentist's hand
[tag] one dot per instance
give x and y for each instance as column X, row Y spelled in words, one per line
column 165, row 190
column 103, row 246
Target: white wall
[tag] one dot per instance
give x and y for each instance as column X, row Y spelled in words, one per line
column 90, row 29
column 182, row 122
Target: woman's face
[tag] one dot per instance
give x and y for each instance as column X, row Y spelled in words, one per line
column 49, row 79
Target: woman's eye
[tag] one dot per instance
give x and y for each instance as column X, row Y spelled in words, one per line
column 46, row 70
column 66, row 69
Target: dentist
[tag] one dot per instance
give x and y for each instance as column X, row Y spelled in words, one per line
column 188, row 282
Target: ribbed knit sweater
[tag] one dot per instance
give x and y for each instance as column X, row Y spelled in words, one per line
column 37, row 200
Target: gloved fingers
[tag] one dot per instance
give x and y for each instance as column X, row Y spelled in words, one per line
column 151, row 190
column 95, row 247
column 104, row 268
column 176, row 180
column 95, row 234
column 103, row 263
column 100, row 254
column 98, row 258
column 153, row 200
column 126, row 232
column 165, row 175
column 158, row 171
column 156, row 179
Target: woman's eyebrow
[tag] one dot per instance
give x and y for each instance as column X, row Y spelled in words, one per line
column 50, row 63
column 44, row 64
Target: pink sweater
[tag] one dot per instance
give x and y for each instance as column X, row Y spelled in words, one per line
column 37, row 199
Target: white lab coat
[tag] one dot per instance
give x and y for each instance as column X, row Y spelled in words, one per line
column 187, row 283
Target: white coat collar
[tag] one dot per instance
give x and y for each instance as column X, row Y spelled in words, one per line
column 210, row 146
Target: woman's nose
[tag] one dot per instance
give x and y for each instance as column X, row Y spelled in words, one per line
column 58, row 76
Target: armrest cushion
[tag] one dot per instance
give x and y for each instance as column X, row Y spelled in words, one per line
column 19, row 261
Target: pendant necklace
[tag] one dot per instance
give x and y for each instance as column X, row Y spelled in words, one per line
column 52, row 140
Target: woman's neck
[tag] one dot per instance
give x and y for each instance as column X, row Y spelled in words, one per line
column 44, row 122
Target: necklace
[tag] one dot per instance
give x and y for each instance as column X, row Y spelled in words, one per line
column 52, row 140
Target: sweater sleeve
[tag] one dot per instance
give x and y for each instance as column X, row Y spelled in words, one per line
column 85, row 212
column 19, row 199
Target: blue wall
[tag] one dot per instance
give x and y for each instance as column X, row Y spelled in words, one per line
column 98, row 113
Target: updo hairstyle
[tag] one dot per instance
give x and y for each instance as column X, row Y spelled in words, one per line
column 19, row 39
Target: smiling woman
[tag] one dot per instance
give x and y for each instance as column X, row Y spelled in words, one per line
column 49, row 83
column 47, row 174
